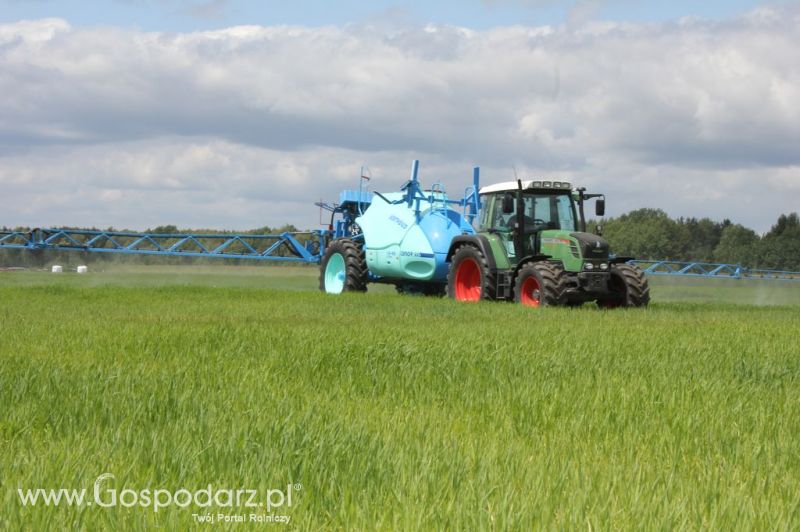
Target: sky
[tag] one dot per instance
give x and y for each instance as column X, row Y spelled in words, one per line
column 187, row 15
column 235, row 115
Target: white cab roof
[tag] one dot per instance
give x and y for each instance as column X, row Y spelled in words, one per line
column 527, row 184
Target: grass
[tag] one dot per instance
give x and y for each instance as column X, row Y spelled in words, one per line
column 398, row 412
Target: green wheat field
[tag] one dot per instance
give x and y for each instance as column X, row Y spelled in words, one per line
column 386, row 412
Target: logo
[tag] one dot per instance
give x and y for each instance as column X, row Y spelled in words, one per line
column 398, row 221
column 246, row 505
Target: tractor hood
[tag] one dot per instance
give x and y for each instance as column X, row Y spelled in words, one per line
column 591, row 246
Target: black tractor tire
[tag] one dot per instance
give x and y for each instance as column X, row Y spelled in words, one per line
column 421, row 289
column 470, row 278
column 351, row 263
column 628, row 286
column 540, row 284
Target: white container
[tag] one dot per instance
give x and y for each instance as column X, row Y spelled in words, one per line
column 57, row 268
column 83, row 269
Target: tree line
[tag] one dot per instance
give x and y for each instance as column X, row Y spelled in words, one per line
column 650, row 234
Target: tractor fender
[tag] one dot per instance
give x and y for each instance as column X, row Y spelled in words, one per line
column 479, row 241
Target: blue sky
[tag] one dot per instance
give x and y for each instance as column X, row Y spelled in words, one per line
column 188, row 15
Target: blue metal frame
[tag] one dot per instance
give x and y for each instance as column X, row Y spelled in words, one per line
column 351, row 204
column 305, row 247
column 415, row 196
column 712, row 270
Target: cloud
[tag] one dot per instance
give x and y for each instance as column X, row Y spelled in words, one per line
column 698, row 118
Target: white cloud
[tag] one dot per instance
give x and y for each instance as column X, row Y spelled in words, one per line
column 250, row 125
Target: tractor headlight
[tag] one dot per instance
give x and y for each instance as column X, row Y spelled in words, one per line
column 589, row 266
column 603, row 266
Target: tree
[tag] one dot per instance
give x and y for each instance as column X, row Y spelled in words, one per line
column 646, row 234
column 785, row 223
column 780, row 247
column 738, row 245
column 164, row 230
column 704, row 237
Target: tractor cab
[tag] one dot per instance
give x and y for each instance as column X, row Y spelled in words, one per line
column 520, row 214
column 542, row 218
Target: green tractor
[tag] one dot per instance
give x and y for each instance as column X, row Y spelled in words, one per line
column 531, row 246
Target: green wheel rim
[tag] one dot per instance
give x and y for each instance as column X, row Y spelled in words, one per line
column 335, row 274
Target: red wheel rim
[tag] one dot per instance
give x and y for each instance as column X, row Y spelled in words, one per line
column 530, row 292
column 468, row 281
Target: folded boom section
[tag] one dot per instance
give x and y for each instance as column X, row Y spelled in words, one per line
column 289, row 247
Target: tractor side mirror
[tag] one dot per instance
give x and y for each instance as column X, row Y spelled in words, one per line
column 600, row 207
column 508, row 203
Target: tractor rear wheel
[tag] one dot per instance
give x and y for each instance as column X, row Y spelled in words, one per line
column 343, row 268
column 628, row 287
column 470, row 278
column 540, row 284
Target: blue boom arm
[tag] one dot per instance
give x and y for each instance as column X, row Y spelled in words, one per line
column 288, row 247
column 712, row 270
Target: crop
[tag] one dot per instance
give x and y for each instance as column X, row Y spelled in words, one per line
column 398, row 412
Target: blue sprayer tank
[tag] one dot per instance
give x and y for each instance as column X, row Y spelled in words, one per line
column 407, row 234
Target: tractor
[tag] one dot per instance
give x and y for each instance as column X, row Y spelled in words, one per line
column 530, row 245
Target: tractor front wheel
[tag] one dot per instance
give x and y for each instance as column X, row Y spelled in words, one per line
column 628, row 287
column 343, row 268
column 540, row 284
column 470, row 278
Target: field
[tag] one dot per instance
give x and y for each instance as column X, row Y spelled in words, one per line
column 390, row 412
